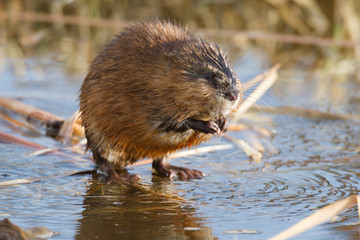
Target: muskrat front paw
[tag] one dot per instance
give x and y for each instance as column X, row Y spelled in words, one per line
column 223, row 125
column 203, row 126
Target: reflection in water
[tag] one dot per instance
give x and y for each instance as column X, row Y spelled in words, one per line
column 138, row 212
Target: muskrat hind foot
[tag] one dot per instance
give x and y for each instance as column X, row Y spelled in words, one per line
column 164, row 168
column 109, row 172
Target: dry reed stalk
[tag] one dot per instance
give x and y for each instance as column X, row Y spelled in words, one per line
column 254, row 141
column 78, row 130
column 201, row 150
column 263, row 132
column 27, row 110
column 67, row 128
column 271, row 149
column 36, row 113
column 252, row 153
column 12, row 122
column 319, row 217
column 38, row 179
column 5, row 137
column 237, row 127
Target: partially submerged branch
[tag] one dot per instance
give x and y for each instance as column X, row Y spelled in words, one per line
column 28, row 110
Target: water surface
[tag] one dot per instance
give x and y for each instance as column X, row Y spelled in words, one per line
column 315, row 164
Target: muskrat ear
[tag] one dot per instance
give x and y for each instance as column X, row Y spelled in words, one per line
column 210, row 76
column 170, row 59
column 170, row 56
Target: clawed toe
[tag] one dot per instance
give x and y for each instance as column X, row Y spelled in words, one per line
column 223, row 125
column 173, row 172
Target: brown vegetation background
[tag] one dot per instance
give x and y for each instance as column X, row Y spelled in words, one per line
column 78, row 29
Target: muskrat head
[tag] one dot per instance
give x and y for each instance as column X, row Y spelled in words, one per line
column 216, row 82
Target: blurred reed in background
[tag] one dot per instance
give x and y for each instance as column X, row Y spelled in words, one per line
column 284, row 29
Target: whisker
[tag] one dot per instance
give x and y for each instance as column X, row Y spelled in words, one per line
column 265, row 104
column 252, row 82
column 269, row 79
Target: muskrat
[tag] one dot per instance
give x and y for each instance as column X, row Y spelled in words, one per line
column 153, row 90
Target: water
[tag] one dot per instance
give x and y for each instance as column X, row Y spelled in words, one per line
column 316, row 163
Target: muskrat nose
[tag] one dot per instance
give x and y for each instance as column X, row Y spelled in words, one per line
column 233, row 97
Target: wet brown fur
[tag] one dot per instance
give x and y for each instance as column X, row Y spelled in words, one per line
column 148, row 76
